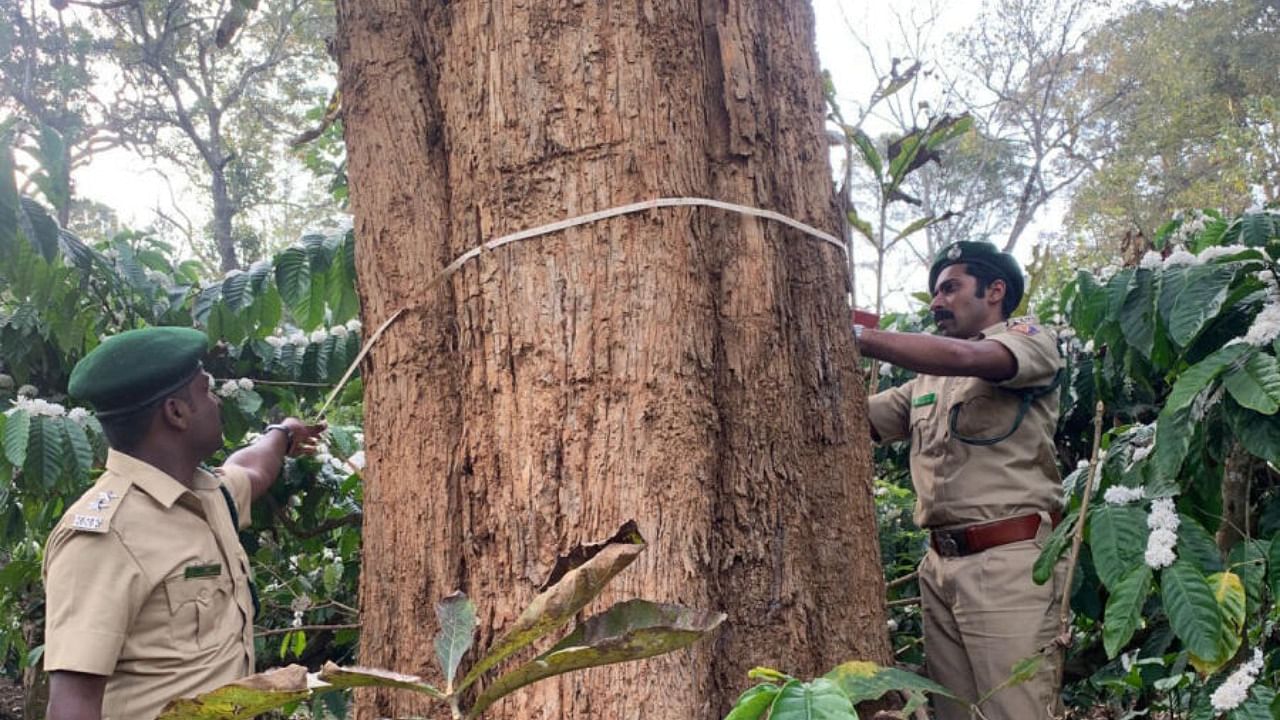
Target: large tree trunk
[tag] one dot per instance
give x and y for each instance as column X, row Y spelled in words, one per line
column 224, row 211
column 688, row 368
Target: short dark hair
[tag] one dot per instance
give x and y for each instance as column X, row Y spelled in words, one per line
column 126, row 432
column 985, row 275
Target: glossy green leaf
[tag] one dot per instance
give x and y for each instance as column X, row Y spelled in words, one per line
column 44, row 452
column 1117, row 541
column 78, row 443
column 236, row 291
column 457, row 617
column 1174, row 432
column 870, row 155
column 817, row 700
column 1229, row 593
column 577, row 578
column 1193, row 610
column 293, row 279
column 1257, row 229
column 754, row 703
column 1197, row 377
column 1191, row 296
column 1124, row 609
column 1259, row 705
column 1248, row 559
column 627, row 631
column 1256, row 384
column 1257, row 434
column 1057, row 543
column 17, row 432
column 1138, row 313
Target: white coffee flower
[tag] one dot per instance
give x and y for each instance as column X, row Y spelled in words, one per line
column 78, row 415
column 1088, row 346
column 1151, row 261
column 357, row 460
column 338, row 331
column 6, row 382
column 1181, row 257
column 1210, row 254
column 354, row 326
column 319, row 336
column 1141, row 452
column 245, row 383
column 359, row 438
column 299, row 339
column 1163, row 522
column 228, row 388
column 1235, row 689
column 1122, row 495
column 1265, row 327
column 36, row 406
column 28, row 391
column 275, row 341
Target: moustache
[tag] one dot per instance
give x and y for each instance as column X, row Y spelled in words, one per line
column 940, row 315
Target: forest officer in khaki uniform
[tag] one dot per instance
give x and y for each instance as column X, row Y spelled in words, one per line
column 980, row 417
column 147, row 587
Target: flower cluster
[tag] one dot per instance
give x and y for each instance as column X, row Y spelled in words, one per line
column 36, row 406
column 1181, row 257
column 231, row 387
column 1122, row 495
column 6, row 382
column 1235, row 690
column 1151, row 261
column 28, row 391
column 1266, row 326
column 1163, row 522
column 297, row 338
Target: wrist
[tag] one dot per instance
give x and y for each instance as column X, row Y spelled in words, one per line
column 857, row 333
column 284, row 430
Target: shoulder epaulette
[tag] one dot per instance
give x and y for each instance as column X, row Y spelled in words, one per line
column 93, row 511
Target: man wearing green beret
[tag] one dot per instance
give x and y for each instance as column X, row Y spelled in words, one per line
column 147, row 588
column 980, row 417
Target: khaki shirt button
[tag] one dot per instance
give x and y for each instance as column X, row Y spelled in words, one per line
column 203, row 595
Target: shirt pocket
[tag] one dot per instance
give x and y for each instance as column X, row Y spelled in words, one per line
column 196, row 607
column 981, row 412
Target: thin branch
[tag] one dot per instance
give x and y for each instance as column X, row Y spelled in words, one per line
column 306, row 628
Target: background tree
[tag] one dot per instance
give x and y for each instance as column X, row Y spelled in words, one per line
column 217, row 90
column 1200, row 124
column 688, row 368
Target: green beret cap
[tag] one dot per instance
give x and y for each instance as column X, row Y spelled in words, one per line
column 131, row 370
column 986, row 255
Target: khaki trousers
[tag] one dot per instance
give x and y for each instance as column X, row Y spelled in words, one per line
column 982, row 614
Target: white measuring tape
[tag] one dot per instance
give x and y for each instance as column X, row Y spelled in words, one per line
column 572, row 222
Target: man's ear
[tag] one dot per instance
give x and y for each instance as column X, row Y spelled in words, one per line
column 996, row 290
column 176, row 413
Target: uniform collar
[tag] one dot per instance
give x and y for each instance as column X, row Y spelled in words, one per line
column 995, row 329
column 161, row 486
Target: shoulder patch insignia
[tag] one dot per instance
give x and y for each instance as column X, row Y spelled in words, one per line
column 93, row 523
column 93, row 511
column 1025, row 329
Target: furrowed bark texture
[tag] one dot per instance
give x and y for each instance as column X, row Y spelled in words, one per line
column 689, row 368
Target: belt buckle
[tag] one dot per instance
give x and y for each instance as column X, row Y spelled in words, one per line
column 946, row 545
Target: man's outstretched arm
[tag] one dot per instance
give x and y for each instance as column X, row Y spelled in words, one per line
column 936, row 355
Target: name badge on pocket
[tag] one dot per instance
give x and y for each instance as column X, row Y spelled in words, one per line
column 202, row 571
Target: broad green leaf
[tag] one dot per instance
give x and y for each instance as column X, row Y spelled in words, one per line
column 1138, row 313
column 1197, row 377
column 1193, row 610
column 8, row 199
column 293, row 279
column 78, row 444
column 1174, row 432
column 753, row 704
column 1258, row 434
column 908, row 147
column 1257, row 229
column 354, row 677
column 864, row 681
column 244, row 698
column 17, row 432
column 1197, row 545
column 44, row 452
column 457, row 616
column 630, row 630
column 1229, row 593
column 1256, row 384
column 1124, row 609
column 236, row 291
column 917, row 226
column 862, row 226
column 1117, row 541
column 949, row 129
column 1058, row 542
column 817, row 700
column 576, row 580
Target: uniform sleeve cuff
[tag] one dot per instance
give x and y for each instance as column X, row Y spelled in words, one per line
column 86, row 651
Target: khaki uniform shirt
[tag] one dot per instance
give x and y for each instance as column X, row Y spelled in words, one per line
column 146, row 582
column 959, row 483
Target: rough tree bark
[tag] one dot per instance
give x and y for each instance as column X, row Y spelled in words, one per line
column 689, row 368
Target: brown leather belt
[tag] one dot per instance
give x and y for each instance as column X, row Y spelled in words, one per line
column 984, row 536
